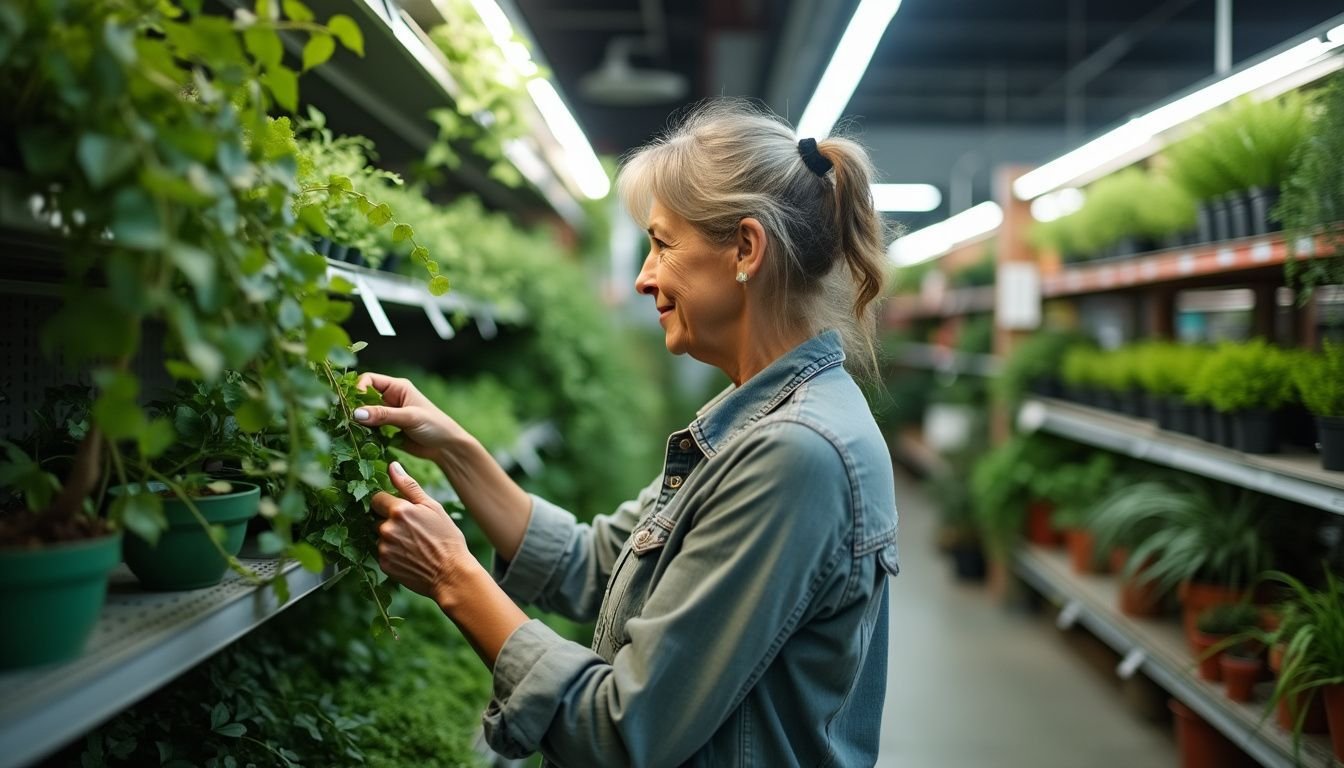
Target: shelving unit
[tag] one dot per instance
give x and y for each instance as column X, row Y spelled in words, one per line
column 1294, row 477
column 142, row 641
column 940, row 358
column 1159, row 650
column 374, row 287
column 957, row 301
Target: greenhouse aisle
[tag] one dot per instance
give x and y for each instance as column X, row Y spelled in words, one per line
column 971, row 684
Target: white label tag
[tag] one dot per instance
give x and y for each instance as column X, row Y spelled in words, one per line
column 1226, row 257
column 1069, row 615
column 1261, row 251
column 1019, row 297
column 486, row 325
column 1131, row 663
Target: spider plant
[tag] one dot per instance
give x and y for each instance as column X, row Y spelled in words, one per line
column 1312, row 632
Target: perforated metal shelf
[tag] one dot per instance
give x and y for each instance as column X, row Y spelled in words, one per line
column 143, row 640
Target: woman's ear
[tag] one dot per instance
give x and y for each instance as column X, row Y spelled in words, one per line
column 751, row 241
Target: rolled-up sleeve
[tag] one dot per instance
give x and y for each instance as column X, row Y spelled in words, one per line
column 765, row 541
column 562, row 565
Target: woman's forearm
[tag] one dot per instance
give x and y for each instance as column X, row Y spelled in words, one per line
column 498, row 505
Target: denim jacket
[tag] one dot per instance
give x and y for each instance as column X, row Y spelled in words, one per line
column 740, row 599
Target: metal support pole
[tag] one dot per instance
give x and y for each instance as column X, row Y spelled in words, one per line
column 1222, row 37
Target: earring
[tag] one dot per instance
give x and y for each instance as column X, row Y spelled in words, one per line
column 741, row 277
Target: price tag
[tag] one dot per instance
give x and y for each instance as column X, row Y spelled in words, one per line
column 1069, row 615
column 373, row 307
column 1226, row 257
column 1131, row 663
column 1261, row 251
column 436, row 318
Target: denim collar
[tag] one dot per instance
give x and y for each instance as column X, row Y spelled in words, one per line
column 737, row 408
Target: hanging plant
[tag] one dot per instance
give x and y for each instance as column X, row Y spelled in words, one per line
column 1313, row 198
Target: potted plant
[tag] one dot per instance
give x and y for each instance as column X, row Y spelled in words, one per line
column 1312, row 205
column 1078, row 371
column 1075, row 488
column 1121, row 522
column 1033, row 366
column 1217, row 424
column 957, row 532
column 1248, row 383
column 1320, row 383
column 1004, row 483
column 1311, row 667
column 1213, row 627
column 1162, row 370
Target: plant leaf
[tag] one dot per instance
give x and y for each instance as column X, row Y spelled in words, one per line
column 347, row 31
column 317, row 51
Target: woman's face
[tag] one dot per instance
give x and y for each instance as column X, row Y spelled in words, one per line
column 693, row 284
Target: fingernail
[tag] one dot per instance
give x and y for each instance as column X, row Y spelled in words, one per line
column 397, row 469
column 361, row 414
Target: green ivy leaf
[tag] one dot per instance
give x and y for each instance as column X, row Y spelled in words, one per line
column 270, row 543
column 340, row 285
column 156, row 437
column 195, row 264
column 439, row 285
column 325, row 339
column 347, row 31
column 297, row 11
column 219, row 715
column 284, row 86
column 308, row 556
column 312, row 217
column 317, row 51
column 281, row 589
column 253, row 416
column 232, row 730
column 342, row 183
column 119, row 419
column 182, row 370
column 141, row 514
column 135, row 220
column 402, row 232
column 380, row 214
column 420, row 254
column 290, row 315
column 359, row 346
column 120, row 42
column 264, row 45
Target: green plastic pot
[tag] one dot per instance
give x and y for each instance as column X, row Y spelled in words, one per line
column 184, row 557
column 51, row 598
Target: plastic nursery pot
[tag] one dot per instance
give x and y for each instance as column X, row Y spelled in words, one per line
column 1108, row 400
column 1180, row 416
column 1297, row 426
column 1082, row 549
column 1222, row 429
column 51, row 597
column 184, row 557
column 1200, row 744
column 1222, row 223
column 1203, row 224
column 1333, row 696
column 1238, row 215
column 1201, row 419
column 1209, row 668
column 1240, row 673
column 968, row 562
column 1290, row 708
column 1255, row 431
column 1197, row 598
column 1331, row 434
column 1262, row 201
column 1040, row 530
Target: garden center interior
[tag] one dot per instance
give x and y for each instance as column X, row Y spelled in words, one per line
column 1111, row 358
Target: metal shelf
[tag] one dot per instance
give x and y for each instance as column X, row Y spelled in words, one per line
column 1294, row 477
column 940, row 358
column 953, row 303
column 142, row 641
column 1159, row 649
column 374, row 287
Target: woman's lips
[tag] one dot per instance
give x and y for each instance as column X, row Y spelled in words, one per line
column 663, row 312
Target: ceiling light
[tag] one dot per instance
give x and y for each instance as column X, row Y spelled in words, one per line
column 1135, row 139
column 1057, row 205
column 584, row 167
column 847, row 66
column 935, row 240
column 917, row 198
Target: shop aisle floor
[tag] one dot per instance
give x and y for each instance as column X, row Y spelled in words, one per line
column 972, row 684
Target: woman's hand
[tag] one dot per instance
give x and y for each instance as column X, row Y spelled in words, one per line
column 427, row 430
column 419, row 546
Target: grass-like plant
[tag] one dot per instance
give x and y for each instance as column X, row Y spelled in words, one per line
column 1312, row 632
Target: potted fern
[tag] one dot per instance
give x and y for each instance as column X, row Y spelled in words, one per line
column 1320, row 383
column 1213, row 628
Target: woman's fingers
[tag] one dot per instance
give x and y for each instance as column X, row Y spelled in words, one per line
column 406, row 485
column 377, row 380
column 378, row 415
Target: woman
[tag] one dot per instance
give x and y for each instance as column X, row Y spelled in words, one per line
column 741, row 598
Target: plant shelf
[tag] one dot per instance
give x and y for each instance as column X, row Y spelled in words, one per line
column 1288, row 476
column 937, row 357
column 1165, row 658
column 373, row 288
column 142, row 641
column 954, row 303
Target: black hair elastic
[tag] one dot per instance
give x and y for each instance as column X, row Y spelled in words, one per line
column 815, row 161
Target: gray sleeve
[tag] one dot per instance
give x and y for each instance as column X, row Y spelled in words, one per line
column 562, row 565
column 767, row 539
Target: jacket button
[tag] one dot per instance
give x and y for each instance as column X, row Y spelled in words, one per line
column 641, row 537
column 674, row 481
column 685, row 444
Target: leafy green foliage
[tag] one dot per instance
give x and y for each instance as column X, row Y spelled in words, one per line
column 1238, row 377
column 1004, row 481
column 1129, row 203
column 981, row 272
column 1080, row 365
column 1165, row 369
column 488, row 83
column 1245, row 144
column 1313, row 196
column 1075, row 487
column 1228, row 619
column 1035, row 358
column 1319, row 379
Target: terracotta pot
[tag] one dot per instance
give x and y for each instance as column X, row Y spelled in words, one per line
column 1197, row 598
column 1118, row 558
column 1334, row 715
column 1290, row 707
column 1276, row 652
column 1240, row 674
column 1141, row 600
column 1208, row 663
column 1082, row 549
column 1040, row 530
column 1200, row 744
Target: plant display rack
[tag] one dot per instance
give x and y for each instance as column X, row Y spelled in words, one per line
column 941, row 358
column 1158, row 649
column 1297, row 478
column 142, row 641
column 953, row 303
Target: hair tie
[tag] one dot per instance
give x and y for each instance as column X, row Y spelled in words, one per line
column 812, row 157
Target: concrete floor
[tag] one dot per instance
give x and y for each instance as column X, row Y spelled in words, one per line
column 972, row 684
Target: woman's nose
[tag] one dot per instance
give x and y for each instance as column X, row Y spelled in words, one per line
column 645, row 282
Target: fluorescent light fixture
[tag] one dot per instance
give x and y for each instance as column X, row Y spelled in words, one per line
column 847, row 66
column 584, row 166
column 937, row 239
column 917, row 198
column 1124, row 142
column 1056, row 205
